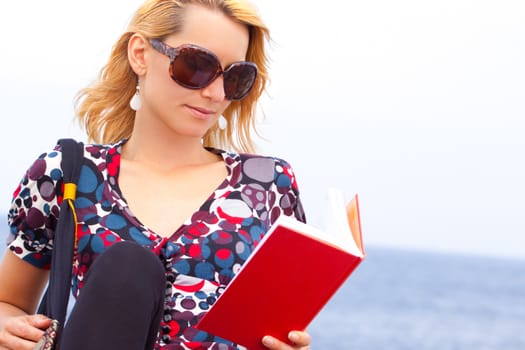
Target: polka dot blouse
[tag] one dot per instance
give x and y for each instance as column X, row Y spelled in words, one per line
column 200, row 258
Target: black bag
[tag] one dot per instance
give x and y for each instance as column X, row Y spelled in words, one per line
column 55, row 300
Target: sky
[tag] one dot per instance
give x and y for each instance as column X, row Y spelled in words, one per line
column 417, row 106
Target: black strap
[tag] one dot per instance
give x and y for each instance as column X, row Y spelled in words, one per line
column 55, row 300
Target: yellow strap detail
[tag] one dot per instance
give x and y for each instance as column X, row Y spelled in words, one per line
column 73, row 210
column 70, row 191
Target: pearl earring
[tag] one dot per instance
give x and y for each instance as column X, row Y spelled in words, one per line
column 223, row 123
column 136, row 102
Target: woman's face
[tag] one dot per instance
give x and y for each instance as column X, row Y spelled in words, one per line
column 185, row 112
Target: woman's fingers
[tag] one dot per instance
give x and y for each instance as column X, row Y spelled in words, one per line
column 29, row 327
column 23, row 332
column 300, row 340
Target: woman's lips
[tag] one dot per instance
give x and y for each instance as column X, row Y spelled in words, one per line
column 201, row 113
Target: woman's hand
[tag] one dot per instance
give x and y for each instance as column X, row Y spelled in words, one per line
column 19, row 328
column 22, row 332
column 300, row 340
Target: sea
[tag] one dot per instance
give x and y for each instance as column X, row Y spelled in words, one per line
column 413, row 300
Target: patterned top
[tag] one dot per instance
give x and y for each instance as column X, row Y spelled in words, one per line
column 200, row 258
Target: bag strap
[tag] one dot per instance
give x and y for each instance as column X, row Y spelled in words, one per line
column 55, row 300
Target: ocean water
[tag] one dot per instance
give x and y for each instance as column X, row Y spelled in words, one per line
column 404, row 300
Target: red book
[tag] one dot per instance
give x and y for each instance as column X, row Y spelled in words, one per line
column 289, row 278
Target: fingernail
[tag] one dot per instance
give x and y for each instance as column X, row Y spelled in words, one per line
column 41, row 318
column 294, row 337
column 268, row 341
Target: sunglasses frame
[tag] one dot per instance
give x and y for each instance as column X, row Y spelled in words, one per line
column 173, row 52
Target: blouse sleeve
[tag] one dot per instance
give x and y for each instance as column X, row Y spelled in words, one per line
column 288, row 200
column 34, row 210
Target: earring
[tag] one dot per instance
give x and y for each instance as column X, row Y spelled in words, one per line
column 136, row 102
column 223, row 123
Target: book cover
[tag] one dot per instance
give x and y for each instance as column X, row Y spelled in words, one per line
column 288, row 279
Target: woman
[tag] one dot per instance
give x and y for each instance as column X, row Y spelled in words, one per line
column 180, row 84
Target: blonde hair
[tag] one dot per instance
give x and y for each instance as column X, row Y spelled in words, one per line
column 103, row 108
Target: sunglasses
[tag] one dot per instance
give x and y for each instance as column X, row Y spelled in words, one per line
column 195, row 67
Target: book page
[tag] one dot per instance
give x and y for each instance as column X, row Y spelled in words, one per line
column 352, row 212
column 342, row 222
column 342, row 227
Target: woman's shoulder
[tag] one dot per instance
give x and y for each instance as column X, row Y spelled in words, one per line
column 254, row 159
column 95, row 152
column 92, row 148
column 250, row 167
column 48, row 163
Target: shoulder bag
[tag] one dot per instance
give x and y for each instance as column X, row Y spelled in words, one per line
column 55, row 299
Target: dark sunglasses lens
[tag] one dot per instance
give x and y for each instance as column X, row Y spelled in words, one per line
column 194, row 68
column 239, row 79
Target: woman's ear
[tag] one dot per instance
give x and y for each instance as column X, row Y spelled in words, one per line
column 136, row 54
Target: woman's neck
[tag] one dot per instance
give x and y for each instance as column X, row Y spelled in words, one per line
column 166, row 154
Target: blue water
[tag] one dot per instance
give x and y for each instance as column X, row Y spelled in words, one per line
column 403, row 300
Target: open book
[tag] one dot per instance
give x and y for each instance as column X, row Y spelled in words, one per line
column 289, row 277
